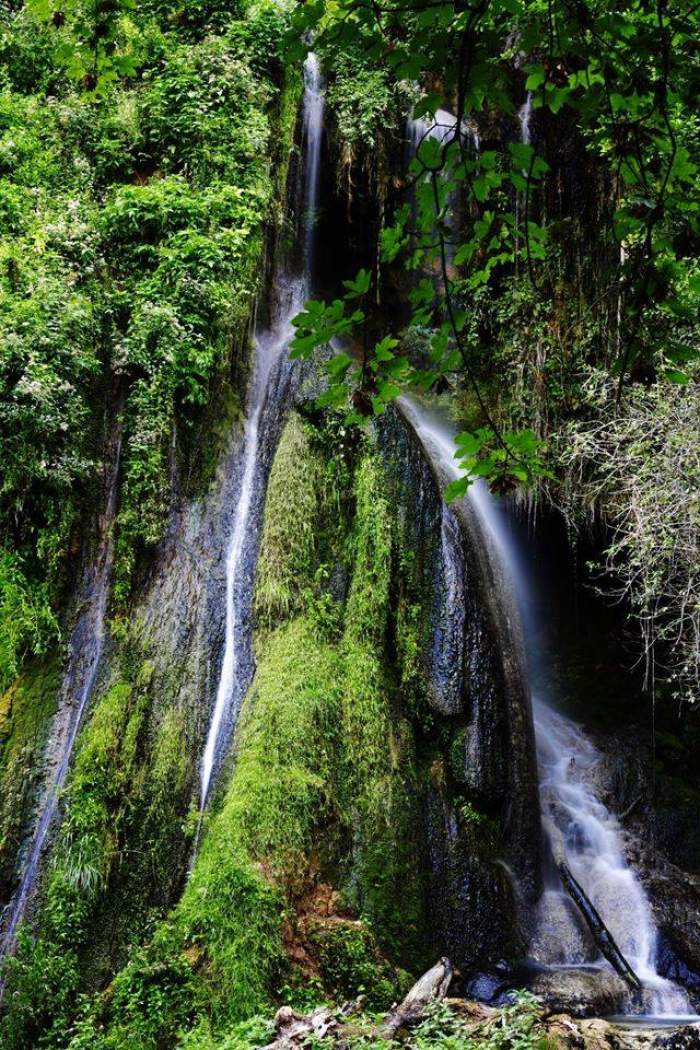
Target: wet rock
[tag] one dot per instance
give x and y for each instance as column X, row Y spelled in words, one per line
column 480, row 800
column 686, row 1038
column 487, row 987
column 675, row 901
column 623, row 779
column 670, row 965
column 581, row 993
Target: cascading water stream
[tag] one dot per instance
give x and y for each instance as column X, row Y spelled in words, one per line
column 85, row 651
column 588, row 837
column 264, row 408
column 581, row 831
column 524, row 118
column 443, row 129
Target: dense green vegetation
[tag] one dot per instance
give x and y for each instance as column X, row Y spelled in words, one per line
column 550, row 270
column 133, row 216
column 553, row 292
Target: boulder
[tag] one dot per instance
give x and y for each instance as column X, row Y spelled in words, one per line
column 581, row 993
column 685, row 1038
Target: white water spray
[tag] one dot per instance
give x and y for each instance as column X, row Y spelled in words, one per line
column 581, row 830
column 270, row 349
column 588, row 837
column 441, row 128
column 524, row 118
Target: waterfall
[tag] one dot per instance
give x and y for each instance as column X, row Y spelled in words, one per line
column 443, row 129
column 579, row 828
column 524, row 118
column 84, row 654
column 312, row 134
column 583, row 832
column 266, row 398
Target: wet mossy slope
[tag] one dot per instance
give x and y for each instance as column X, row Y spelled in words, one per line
column 346, row 836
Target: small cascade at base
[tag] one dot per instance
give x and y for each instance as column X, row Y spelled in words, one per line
column 583, row 833
column 579, row 829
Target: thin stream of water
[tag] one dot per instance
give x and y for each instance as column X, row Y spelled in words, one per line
column 85, row 652
column 263, row 405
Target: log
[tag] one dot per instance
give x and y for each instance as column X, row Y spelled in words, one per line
column 601, row 934
column 432, row 987
column 293, row 1030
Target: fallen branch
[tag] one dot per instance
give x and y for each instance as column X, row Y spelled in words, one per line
column 293, row 1031
column 601, row 934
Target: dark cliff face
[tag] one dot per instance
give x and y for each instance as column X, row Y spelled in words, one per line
column 481, row 806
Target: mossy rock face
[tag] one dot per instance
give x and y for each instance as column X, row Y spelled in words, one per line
column 344, row 772
column 26, row 711
column 350, row 963
column 287, row 552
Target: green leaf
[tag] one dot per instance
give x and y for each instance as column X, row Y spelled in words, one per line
column 427, row 105
column 383, row 349
column 480, row 188
column 468, row 444
column 536, row 78
column 338, row 365
column 522, row 153
column 457, row 489
column 359, row 286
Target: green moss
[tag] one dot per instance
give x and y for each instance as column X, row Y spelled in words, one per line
column 286, row 563
column 220, row 956
column 113, row 853
column 100, row 779
column 351, row 965
column 380, row 800
column 26, row 710
column 257, row 845
column 86, row 850
column 368, row 602
column 324, row 783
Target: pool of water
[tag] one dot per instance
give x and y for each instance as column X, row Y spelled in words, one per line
column 646, row 1021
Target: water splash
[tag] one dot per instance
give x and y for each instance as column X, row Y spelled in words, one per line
column 525, row 118
column 580, row 829
column 265, row 398
column 85, row 651
column 588, row 837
